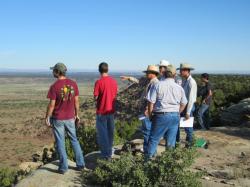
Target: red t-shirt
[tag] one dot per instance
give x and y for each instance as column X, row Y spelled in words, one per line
column 64, row 92
column 106, row 90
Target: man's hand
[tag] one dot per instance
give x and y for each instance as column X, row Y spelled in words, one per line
column 146, row 113
column 187, row 116
column 77, row 121
column 124, row 78
column 47, row 121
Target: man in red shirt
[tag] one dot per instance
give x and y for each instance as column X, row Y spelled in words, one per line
column 105, row 92
column 62, row 112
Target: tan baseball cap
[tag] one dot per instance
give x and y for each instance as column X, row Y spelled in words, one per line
column 172, row 69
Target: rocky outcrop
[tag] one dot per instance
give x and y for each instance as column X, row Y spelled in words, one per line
column 48, row 176
column 237, row 114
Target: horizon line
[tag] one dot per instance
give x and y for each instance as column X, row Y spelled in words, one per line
column 42, row 70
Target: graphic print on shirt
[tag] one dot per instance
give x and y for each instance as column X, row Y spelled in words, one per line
column 67, row 92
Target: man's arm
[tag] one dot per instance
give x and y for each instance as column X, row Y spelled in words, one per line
column 150, row 109
column 77, row 106
column 130, row 79
column 151, row 98
column 183, row 102
column 50, row 109
column 182, row 107
column 210, row 93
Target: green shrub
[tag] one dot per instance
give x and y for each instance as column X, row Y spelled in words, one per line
column 87, row 137
column 169, row 169
column 126, row 130
column 7, row 177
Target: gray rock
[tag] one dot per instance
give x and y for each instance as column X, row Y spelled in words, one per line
column 47, row 176
column 237, row 114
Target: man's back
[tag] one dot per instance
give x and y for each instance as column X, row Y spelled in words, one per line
column 63, row 91
column 106, row 90
column 169, row 96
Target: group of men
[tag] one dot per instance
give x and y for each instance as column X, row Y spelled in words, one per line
column 165, row 99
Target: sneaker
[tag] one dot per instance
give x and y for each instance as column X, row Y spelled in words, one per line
column 82, row 168
column 61, row 172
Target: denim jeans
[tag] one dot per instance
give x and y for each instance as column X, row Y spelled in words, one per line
column 146, row 127
column 202, row 110
column 189, row 130
column 163, row 125
column 59, row 129
column 105, row 134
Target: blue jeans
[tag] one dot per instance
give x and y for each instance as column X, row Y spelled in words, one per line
column 202, row 110
column 189, row 130
column 59, row 129
column 163, row 125
column 146, row 127
column 105, row 126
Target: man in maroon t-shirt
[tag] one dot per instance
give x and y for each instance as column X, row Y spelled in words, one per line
column 62, row 112
column 105, row 92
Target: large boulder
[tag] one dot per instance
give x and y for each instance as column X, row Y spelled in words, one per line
column 237, row 114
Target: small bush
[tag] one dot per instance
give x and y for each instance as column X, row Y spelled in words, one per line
column 126, row 130
column 7, row 177
column 87, row 137
column 169, row 169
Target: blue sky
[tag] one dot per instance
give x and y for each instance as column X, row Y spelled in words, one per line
column 212, row 35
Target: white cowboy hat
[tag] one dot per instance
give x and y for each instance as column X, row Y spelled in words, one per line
column 164, row 63
column 152, row 69
column 185, row 66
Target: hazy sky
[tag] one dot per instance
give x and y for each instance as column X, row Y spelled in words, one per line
column 128, row 34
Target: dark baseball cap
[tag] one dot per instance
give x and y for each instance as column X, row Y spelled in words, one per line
column 59, row 67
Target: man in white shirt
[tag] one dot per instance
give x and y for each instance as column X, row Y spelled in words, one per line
column 166, row 100
column 190, row 87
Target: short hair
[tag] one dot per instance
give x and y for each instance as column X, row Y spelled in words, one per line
column 205, row 76
column 169, row 74
column 103, row 67
column 60, row 73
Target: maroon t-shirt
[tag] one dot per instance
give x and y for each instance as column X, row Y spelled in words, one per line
column 106, row 90
column 63, row 92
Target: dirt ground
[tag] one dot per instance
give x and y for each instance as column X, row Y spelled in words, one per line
column 22, row 110
column 226, row 162
column 23, row 102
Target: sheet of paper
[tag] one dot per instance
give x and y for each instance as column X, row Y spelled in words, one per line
column 141, row 117
column 187, row 123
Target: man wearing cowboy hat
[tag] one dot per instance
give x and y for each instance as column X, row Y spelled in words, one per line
column 151, row 74
column 166, row 100
column 190, row 87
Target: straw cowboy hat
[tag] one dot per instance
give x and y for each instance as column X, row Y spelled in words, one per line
column 152, row 69
column 185, row 66
column 164, row 63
